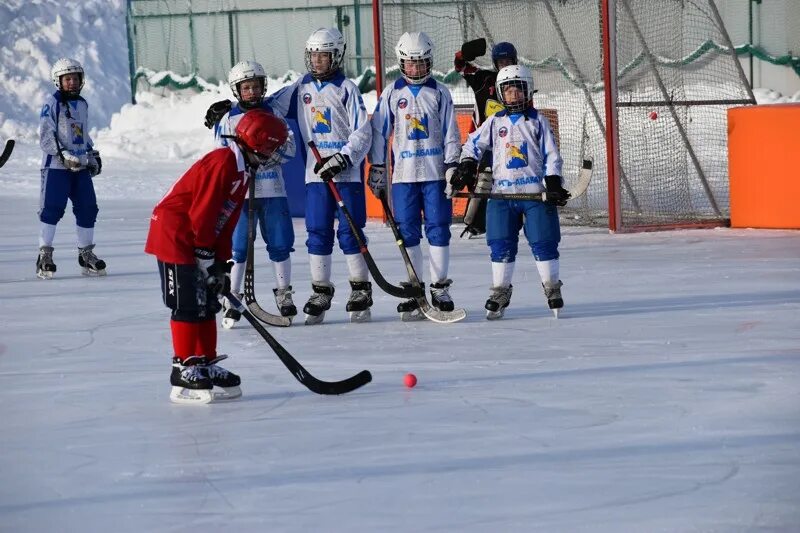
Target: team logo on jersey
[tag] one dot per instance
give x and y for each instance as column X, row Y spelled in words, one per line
column 502, row 132
column 306, row 98
column 517, row 156
column 492, row 107
column 321, row 118
column 77, row 132
column 402, row 103
column 417, row 127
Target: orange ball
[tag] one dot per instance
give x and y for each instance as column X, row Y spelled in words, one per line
column 410, row 380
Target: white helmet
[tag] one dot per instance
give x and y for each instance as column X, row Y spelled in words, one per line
column 64, row 66
column 243, row 71
column 520, row 76
column 415, row 46
column 326, row 40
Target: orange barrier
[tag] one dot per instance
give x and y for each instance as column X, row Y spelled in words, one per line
column 763, row 145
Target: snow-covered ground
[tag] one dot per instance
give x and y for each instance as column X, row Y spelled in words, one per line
column 665, row 399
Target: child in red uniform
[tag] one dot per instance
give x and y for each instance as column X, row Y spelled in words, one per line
column 190, row 235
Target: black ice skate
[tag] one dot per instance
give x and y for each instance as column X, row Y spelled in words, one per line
column 409, row 309
column 498, row 300
column 45, row 268
column 360, row 301
column 230, row 315
column 190, row 382
column 440, row 295
column 226, row 383
column 91, row 265
column 552, row 290
column 283, row 299
column 318, row 303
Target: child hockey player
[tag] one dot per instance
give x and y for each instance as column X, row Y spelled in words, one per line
column 190, row 235
column 525, row 160
column 68, row 164
column 248, row 80
column 329, row 110
column 482, row 81
column 419, row 112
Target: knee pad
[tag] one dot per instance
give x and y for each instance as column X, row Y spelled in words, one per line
column 503, row 250
column 438, row 235
column 278, row 254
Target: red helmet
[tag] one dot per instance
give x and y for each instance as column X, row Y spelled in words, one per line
column 262, row 134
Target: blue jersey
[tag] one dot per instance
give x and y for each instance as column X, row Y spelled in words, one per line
column 332, row 114
column 63, row 125
column 523, row 147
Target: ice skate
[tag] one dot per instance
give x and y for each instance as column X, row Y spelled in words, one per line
column 409, row 309
column 318, row 303
column 230, row 315
column 190, row 382
column 45, row 267
column 226, row 383
column 283, row 299
column 552, row 290
column 91, row 265
column 498, row 300
column 360, row 301
column 440, row 295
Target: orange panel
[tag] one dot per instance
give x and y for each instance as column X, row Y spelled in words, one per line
column 763, row 146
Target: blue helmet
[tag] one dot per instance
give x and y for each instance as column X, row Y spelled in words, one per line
column 504, row 51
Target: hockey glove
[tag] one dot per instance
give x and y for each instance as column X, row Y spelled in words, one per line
column 216, row 112
column 73, row 162
column 556, row 194
column 95, row 165
column 448, row 177
column 377, row 180
column 473, row 49
column 465, row 175
column 215, row 273
column 331, row 166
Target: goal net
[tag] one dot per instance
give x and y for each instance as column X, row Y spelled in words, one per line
column 676, row 75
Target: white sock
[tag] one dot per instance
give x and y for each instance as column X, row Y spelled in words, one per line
column 502, row 274
column 439, row 262
column 320, row 268
column 85, row 236
column 283, row 273
column 415, row 254
column 46, row 234
column 237, row 275
column 548, row 270
column 357, row 266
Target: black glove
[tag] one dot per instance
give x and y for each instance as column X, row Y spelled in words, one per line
column 556, row 194
column 215, row 273
column 95, row 165
column 465, row 175
column 331, row 166
column 472, row 49
column 216, row 111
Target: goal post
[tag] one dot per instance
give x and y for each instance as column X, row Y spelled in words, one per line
column 641, row 86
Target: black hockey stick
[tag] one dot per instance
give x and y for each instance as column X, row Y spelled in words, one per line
column 388, row 288
column 433, row 314
column 584, row 177
column 303, row 376
column 249, row 272
column 7, row 151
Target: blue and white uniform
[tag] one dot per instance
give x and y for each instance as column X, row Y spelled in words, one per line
column 271, row 204
column 524, row 151
column 64, row 126
column 426, row 142
column 332, row 114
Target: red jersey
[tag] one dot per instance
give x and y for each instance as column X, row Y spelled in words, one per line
column 201, row 209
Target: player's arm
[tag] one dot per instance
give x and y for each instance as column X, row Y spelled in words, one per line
column 360, row 140
column 382, row 124
column 47, row 129
column 450, row 132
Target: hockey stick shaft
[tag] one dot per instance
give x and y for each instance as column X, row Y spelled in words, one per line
column 9, row 147
column 392, row 290
column 300, row 373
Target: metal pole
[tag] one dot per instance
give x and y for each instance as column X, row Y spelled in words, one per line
column 609, row 22
column 130, row 28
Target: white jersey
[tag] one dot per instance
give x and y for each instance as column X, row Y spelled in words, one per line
column 523, row 147
column 63, row 125
column 332, row 114
column 269, row 181
column 426, row 137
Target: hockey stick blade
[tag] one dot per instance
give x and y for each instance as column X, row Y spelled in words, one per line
column 430, row 312
column 300, row 373
column 7, row 151
column 584, row 178
column 383, row 283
